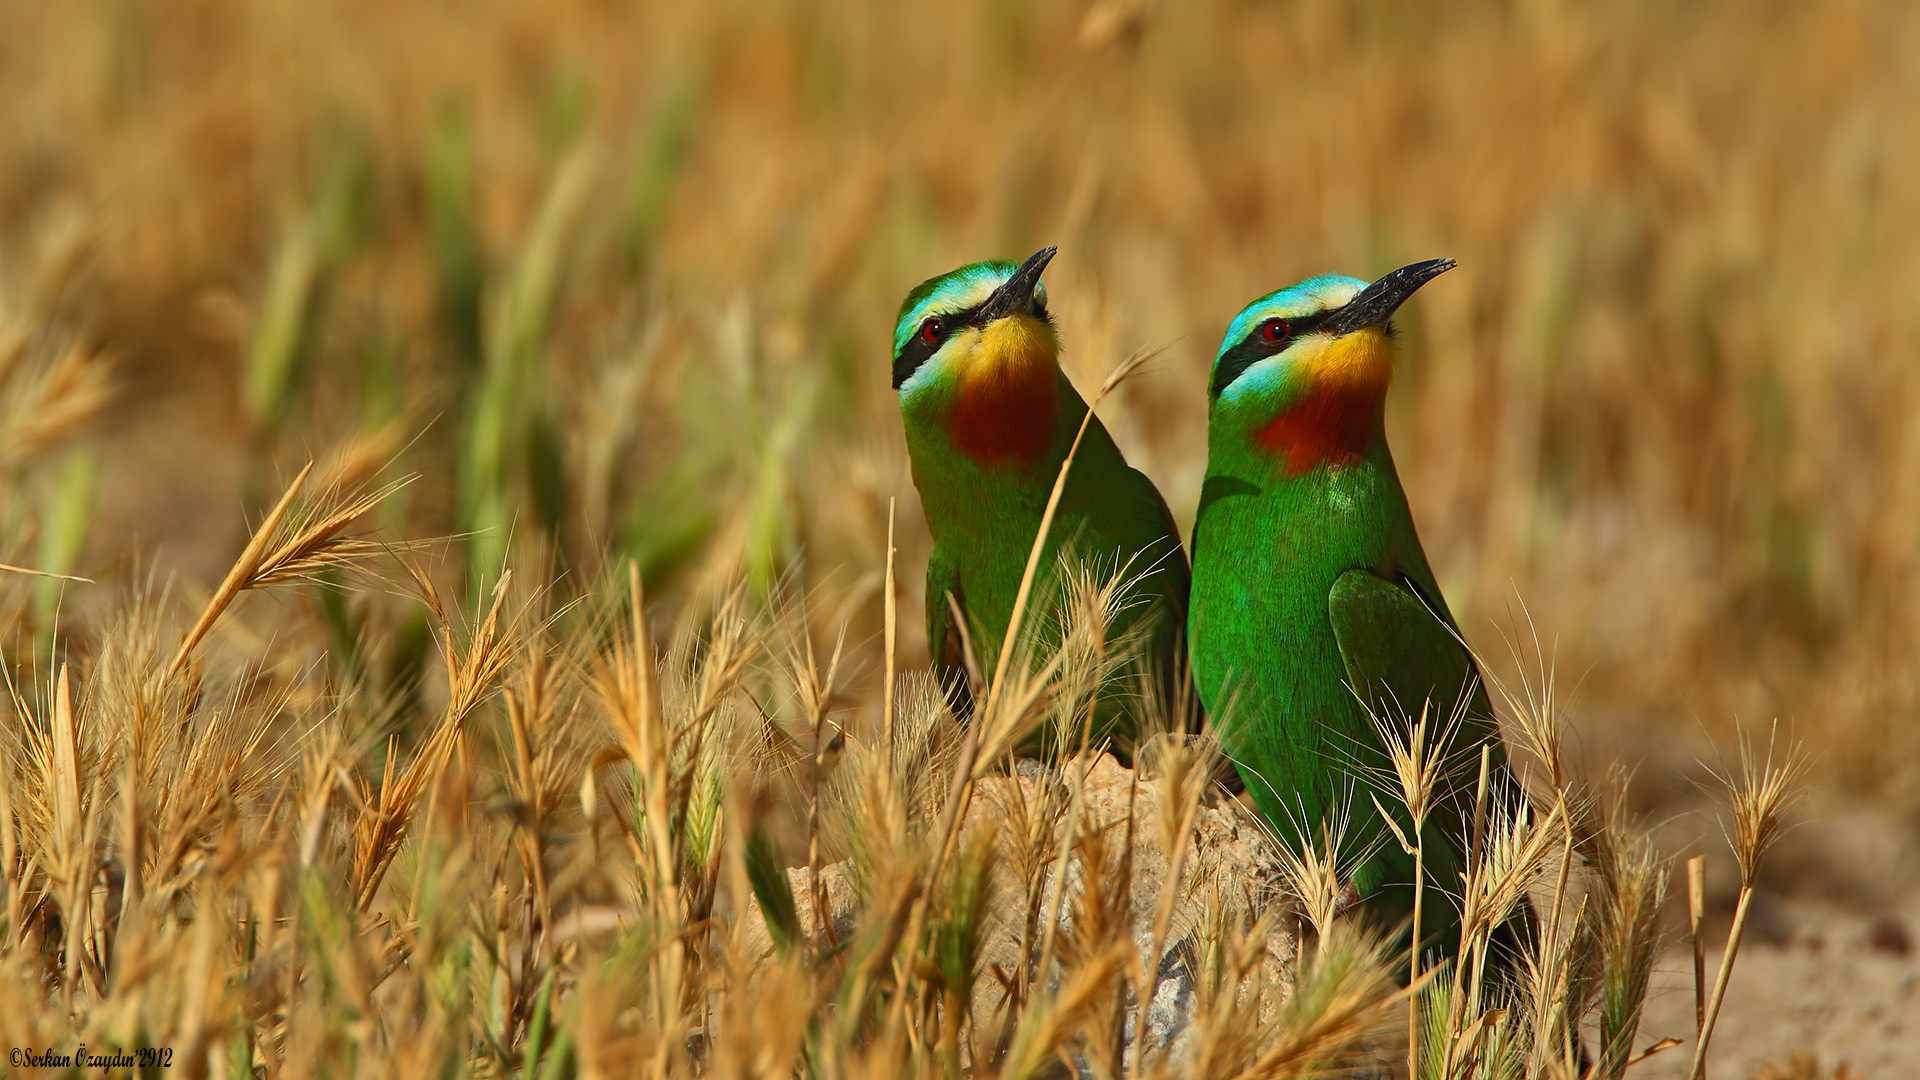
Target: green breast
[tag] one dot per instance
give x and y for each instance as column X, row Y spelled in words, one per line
column 984, row 520
column 1267, row 550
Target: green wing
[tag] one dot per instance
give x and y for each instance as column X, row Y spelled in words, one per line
column 1137, row 520
column 1169, row 655
column 1401, row 652
column 945, row 646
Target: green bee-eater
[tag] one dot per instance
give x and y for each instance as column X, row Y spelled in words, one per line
column 1311, row 593
column 989, row 418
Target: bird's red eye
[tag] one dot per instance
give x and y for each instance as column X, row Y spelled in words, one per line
column 933, row 330
column 1273, row 331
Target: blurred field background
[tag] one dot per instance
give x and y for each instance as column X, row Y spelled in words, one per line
column 617, row 281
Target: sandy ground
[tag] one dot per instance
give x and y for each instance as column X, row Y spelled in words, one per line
column 1830, row 968
column 1832, row 994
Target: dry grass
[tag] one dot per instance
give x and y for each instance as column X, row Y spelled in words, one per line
column 204, row 861
column 611, row 283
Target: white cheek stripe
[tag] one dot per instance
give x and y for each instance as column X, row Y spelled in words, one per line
column 959, row 345
column 1268, row 372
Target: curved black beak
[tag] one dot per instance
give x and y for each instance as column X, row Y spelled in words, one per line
column 1015, row 295
column 1378, row 301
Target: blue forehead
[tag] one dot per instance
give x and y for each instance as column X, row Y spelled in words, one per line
column 955, row 290
column 1312, row 295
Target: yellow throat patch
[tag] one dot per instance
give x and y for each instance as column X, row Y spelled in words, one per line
column 1007, row 397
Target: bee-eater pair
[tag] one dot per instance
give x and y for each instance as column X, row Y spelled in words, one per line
column 1309, row 608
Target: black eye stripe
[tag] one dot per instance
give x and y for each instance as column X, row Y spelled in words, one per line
column 1255, row 347
column 918, row 350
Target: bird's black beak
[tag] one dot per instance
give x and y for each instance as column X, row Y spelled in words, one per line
column 1015, row 295
column 1378, row 301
